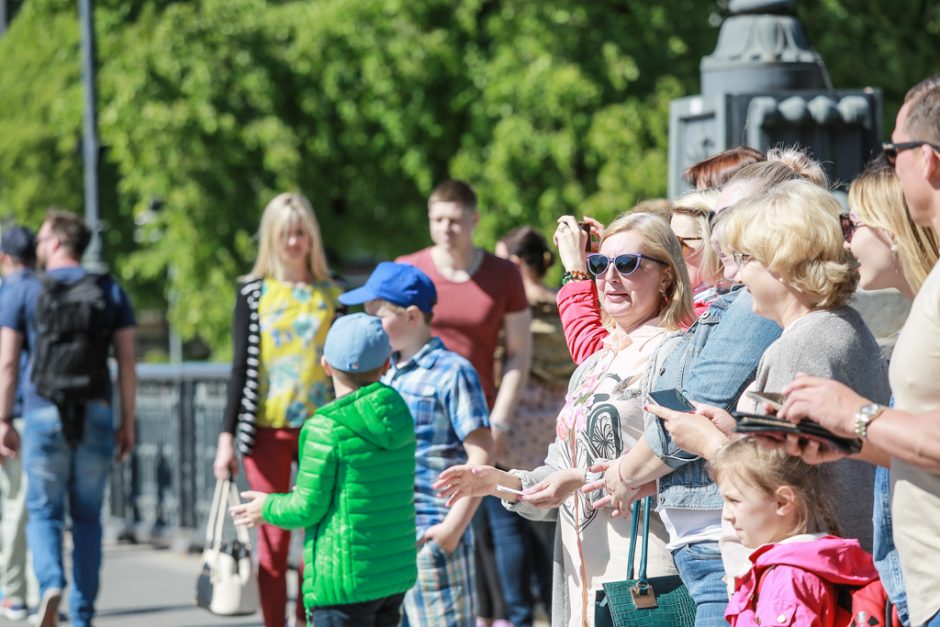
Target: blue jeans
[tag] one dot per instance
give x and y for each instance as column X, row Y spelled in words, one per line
column 513, row 561
column 56, row 472
column 701, row 570
column 384, row 612
column 885, row 555
column 933, row 622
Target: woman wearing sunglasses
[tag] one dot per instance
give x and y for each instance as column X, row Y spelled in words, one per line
column 644, row 293
column 692, row 216
column 789, row 253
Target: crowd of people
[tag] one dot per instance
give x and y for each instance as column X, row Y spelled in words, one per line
column 540, row 406
column 472, row 444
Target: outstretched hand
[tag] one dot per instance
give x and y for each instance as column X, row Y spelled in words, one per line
column 555, row 488
column 468, row 481
column 248, row 513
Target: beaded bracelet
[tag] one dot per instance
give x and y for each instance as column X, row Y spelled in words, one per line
column 574, row 275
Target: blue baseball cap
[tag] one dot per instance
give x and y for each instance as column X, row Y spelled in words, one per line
column 18, row 242
column 357, row 343
column 398, row 283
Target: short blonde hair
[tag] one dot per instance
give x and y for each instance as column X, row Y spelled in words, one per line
column 878, row 199
column 794, row 232
column 770, row 468
column 700, row 205
column 284, row 210
column 660, row 242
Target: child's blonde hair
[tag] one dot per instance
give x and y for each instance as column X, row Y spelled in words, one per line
column 767, row 469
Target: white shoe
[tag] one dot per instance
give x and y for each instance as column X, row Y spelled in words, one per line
column 48, row 614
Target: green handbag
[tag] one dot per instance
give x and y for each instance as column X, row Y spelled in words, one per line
column 644, row 601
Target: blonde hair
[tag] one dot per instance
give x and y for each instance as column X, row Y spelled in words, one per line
column 700, row 205
column 794, row 232
column 657, row 206
column 660, row 242
column 284, row 210
column 767, row 469
column 878, row 199
column 801, row 163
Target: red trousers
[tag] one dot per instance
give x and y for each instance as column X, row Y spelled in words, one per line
column 268, row 470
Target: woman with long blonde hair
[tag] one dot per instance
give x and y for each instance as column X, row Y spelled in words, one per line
column 283, row 310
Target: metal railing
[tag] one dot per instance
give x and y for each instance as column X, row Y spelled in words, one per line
column 165, row 487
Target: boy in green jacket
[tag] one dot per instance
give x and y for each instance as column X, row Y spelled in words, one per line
column 354, row 493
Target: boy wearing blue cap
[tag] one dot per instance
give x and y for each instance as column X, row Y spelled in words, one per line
column 451, row 420
column 354, row 493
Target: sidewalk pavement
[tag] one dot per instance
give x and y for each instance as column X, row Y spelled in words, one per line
column 143, row 586
column 146, row 587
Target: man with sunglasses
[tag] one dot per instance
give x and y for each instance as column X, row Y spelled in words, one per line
column 909, row 432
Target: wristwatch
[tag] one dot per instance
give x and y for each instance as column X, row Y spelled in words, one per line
column 864, row 417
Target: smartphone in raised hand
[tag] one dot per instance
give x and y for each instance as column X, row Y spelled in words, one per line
column 671, row 399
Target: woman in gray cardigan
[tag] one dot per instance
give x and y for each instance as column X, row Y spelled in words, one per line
column 788, row 247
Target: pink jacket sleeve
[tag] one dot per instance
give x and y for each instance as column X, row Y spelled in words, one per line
column 581, row 319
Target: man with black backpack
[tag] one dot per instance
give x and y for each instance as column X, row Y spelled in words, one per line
column 67, row 320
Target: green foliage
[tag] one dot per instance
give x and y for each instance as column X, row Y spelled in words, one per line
column 209, row 108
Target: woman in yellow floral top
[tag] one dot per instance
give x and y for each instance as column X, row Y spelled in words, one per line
column 283, row 310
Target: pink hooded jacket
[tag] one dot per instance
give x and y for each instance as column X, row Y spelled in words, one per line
column 794, row 583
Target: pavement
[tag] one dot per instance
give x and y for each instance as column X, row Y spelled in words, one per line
column 145, row 586
column 142, row 586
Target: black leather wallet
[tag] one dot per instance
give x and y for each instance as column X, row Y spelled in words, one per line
column 772, row 426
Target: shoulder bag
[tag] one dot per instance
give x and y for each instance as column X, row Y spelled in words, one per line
column 226, row 584
column 643, row 601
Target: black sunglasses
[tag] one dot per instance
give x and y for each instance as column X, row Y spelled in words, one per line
column 891, row 150
column 849, row 223
column 625, row 264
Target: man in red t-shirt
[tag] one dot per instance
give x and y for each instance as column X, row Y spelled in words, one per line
column 477, row 295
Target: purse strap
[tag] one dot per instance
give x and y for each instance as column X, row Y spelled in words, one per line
column 645, row 504
column 212, row 521
column 224, row 489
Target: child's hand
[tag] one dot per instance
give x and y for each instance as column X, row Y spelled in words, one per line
column 443, row 536
column 249, row 512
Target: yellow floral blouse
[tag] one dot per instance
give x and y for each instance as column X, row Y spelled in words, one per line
column 295, row 318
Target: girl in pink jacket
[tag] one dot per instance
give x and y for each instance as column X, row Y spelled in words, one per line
column 774, row 503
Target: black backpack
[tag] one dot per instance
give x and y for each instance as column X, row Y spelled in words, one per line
column 73, row 340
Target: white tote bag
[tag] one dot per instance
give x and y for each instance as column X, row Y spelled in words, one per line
column 226, row 584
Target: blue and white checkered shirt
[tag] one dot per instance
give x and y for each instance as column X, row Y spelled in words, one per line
column 446, row 400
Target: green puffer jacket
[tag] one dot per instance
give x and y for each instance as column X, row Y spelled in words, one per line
column 355, row 497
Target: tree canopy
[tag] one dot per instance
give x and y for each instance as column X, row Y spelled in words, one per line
column 209, row 108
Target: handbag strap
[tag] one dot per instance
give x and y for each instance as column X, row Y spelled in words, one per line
column 241, row 532
column 645, row 504
column 634, row 526
column 212, row 521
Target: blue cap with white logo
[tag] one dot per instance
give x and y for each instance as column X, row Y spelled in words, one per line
column 398, row 283
column 357, row 343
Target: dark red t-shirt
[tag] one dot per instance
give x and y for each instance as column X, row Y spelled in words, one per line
column 469, row 315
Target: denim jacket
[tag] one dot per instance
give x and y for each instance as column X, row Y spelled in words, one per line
column 711, row 363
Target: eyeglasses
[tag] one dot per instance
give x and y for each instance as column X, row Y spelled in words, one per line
column 850, row 222
column 684, row 242
column 891, row 151
column 625, row 264
column 741, row 259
